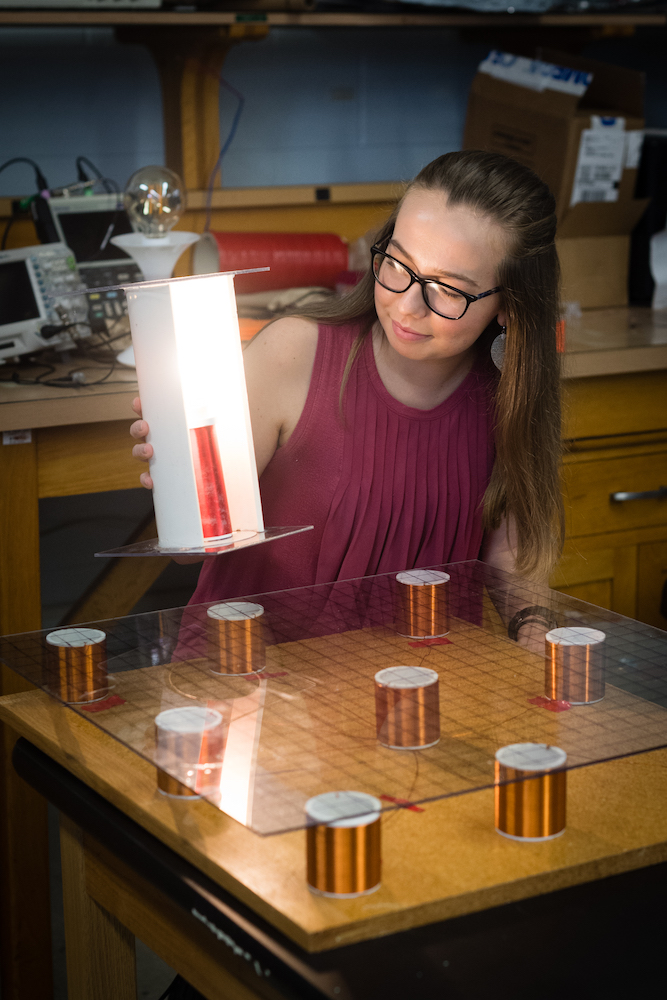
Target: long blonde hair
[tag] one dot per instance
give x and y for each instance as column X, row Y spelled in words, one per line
column 525, row 483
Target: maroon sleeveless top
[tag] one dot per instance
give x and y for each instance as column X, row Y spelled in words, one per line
column 386, row 486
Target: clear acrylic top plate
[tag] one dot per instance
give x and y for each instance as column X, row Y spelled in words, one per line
column 305, row 724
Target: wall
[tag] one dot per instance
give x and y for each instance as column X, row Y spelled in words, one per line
column 644, row 51
column 69, row 92
column 345, row 106
column 322, row 106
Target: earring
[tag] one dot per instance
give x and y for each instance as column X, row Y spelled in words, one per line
column 498, row 349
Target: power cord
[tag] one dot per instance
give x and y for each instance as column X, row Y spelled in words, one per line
column 40, row 180
column 110, row 187
column 83, row 176
column 227, row 143
column 9, row 225
column 76, row 378
column 51, row 330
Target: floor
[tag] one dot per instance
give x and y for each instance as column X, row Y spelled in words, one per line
column 72, row 530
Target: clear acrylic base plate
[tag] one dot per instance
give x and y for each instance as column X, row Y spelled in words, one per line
column 305, row 721
column 237, row 540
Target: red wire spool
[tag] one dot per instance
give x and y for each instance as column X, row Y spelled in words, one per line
column 297, row 260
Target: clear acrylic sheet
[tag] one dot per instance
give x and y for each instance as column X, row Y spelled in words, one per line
column 237, row 540
column 169, row 281
column 306, row 723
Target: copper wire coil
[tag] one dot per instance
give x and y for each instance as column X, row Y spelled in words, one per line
column 210, row 482
column 173, row 787
column 530, row 791
column 575, row 665
column 407, row 707
column 422, row 607
column 235, row 637
column 343, row 846
column 189, row 746
column 75, row 665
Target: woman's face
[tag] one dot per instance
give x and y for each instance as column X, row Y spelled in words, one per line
column 449, row 244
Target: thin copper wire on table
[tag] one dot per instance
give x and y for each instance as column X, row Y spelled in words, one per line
column 199, row 684
column 422, row 611
column 75, row 664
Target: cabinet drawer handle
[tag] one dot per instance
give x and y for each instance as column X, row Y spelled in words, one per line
column 659, row 494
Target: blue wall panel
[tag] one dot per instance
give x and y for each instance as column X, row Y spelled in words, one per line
column 322, row 105
column 344, row 106
column 69, row 92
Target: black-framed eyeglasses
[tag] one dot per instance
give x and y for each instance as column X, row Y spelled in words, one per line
column 444, row 300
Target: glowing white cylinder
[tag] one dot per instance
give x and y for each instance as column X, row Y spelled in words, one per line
column 190, row 372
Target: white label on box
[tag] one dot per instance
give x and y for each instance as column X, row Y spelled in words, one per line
column 16, row 437
column 600, row 161
column 634, row 140
column 535, row 74
column 608, row 123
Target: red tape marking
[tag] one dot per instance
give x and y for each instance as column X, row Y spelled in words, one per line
column 100, row 706
column 551, row 706
column 441, row 641
column 403, row 803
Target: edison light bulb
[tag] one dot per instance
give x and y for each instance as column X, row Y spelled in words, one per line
column 153, row 200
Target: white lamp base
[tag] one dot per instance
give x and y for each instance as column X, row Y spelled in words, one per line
column 156, row 256
column 126, row 357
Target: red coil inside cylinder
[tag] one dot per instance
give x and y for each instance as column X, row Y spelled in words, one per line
column 211, row 492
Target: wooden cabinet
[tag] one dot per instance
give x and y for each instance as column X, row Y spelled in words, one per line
column 651, row 582
column 616, row 441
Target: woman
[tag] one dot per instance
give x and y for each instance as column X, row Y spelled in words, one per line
column 382, row 420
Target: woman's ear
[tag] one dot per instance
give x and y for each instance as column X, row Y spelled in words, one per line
column 501, row 318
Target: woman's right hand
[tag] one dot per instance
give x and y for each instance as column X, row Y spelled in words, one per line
column 143, row 451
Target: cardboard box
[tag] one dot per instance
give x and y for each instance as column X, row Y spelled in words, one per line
column 578, row 124
column 594, row 270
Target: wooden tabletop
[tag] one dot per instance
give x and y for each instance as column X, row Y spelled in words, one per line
column 33, row 406
column 600, row 342
column 443, row 862
column 615, row 342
